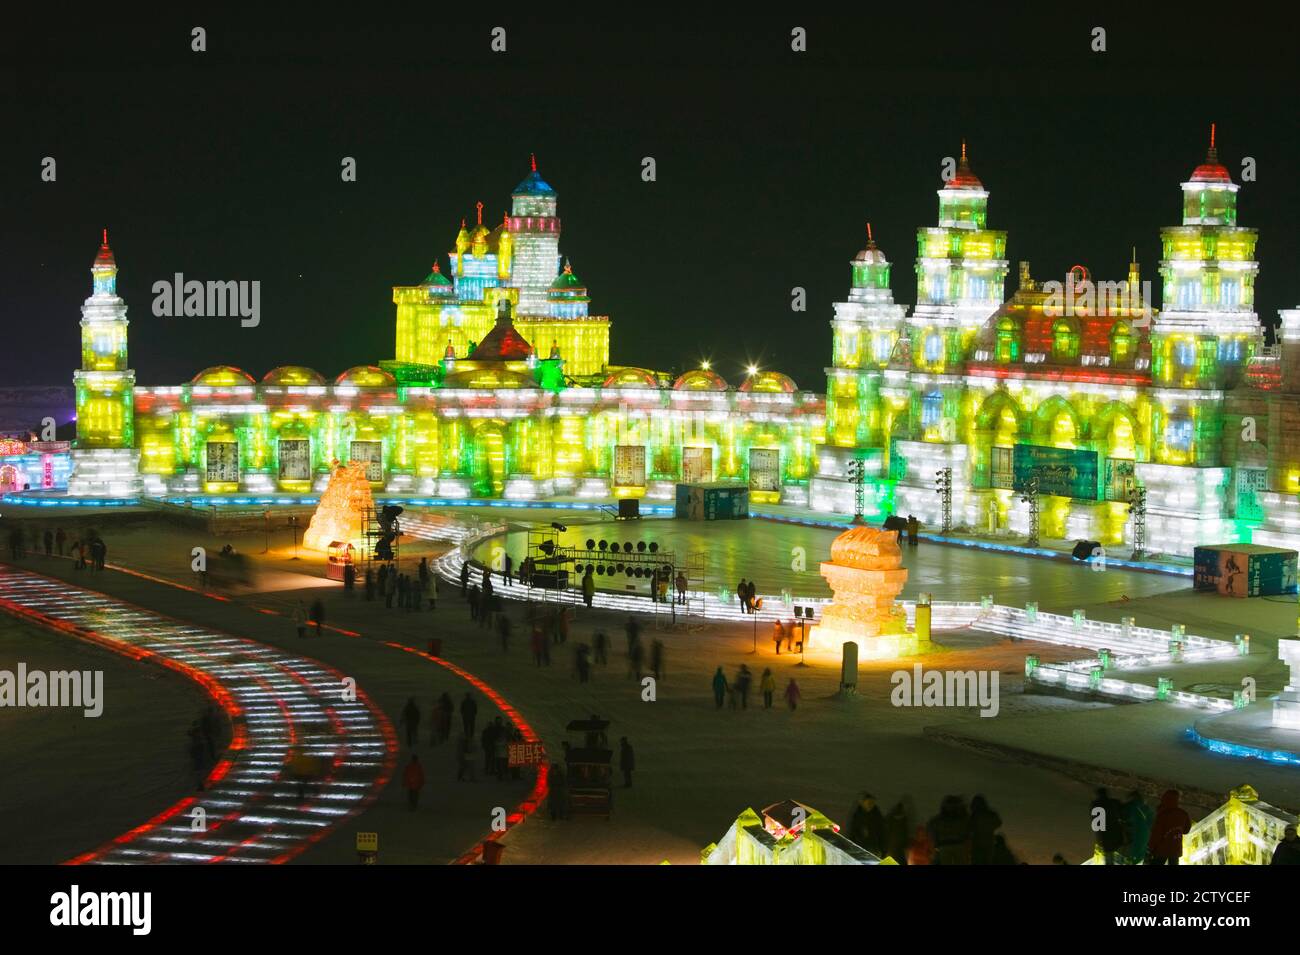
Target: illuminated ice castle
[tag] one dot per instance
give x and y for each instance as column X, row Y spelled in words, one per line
column 501, row 387
column 1081, row 386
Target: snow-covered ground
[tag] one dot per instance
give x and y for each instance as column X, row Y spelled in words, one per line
column 698, row 767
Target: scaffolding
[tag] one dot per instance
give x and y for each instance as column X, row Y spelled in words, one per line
column 373, row 532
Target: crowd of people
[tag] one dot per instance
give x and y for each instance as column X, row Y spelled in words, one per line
column 406, row 592
column 87, row 550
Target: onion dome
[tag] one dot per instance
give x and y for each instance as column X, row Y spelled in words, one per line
column 870, row 255
column 770, row 382
column 462, row 238
column 555, row 351
column 533, row 184
column 701, row 379
column 1211, row 170
column 293, row 375
column 567, row 287
column 964, row 178
column 222, row 376
column 366, row 376
column 104, row 258
column 631, row 378
column 450, row 352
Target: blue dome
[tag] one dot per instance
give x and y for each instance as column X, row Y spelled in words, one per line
column 533, row 185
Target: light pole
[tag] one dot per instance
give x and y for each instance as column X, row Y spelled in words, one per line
column 1138, row 508
column 943, row 487
column 858, row 475
column 1029, row 495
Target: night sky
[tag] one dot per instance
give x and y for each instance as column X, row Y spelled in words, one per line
column 225, row 165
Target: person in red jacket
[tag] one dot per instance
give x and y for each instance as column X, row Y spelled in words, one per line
column 1171, row 824
column 413, row 780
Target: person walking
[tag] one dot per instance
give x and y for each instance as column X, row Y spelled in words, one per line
column 59, row 539
column 410, row 719
column 501, row 751
column 768, row 687
column 390, row 587
column 681, row 587
column 1107, row 821
column 1167, row 830
column 48, row 540
column 468, row 714
column 581, row 663
column 504, row 627
column 588, row 587
column 485, row 602
column 370, row 584
column 792, row 694
column 751, row 597
column 600, row 644
column 719, row 687
column 300, row 619
column 506, row 575
column 898, row 829
column 636, row 661
column 657, row 659
column 778, row 635
column 442, row 722
column 433, row 591
column 317, row 615
column 538, row 642
column 950, row 832
column 558, row 800
column 626, row 761
column 742, row 594
column 413, row 780
column 1287, row 851
column 464, row 578
column 743, row 681
column 867, row 826
column 1138, row 818
column 984, row 824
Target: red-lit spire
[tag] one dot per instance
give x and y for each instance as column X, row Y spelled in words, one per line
column 479, row 206
column 437, row 269
column 871, row 240
column 1211, row 170
column 964, row 178
column 532, row 161
column 105, row 255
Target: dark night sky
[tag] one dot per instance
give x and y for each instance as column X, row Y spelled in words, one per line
column 225, row 165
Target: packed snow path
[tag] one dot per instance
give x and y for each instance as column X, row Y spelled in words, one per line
column 251, row 807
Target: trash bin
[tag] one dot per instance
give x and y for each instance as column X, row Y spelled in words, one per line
column 492, row 852
column 435, row 647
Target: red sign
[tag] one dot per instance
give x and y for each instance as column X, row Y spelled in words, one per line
column 526, row 754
